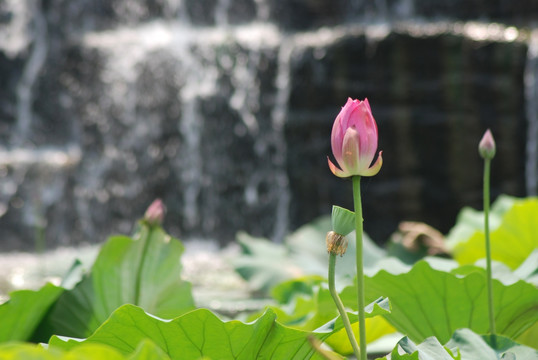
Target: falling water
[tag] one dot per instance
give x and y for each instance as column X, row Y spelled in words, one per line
column 34, row 64
column 531, row 96
column 279, row 116
column 197, row 103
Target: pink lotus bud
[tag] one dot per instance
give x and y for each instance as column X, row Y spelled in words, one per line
column 354, row 141
column 486, row 148
column 155, row 213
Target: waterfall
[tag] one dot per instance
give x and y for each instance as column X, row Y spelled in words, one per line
column 223, row 109
column 279, row 117
column 33, row 66
column 531, row 96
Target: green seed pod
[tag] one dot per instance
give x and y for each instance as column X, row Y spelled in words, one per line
column 343, row 220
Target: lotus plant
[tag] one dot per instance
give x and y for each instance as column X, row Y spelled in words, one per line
column 354, row 140
column 486, row 149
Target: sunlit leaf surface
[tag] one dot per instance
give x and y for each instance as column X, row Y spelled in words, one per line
column 20, row 316
column 465, row 345
column 427, row 302
column 514, row 234
column 199, row 334
column 144, row 271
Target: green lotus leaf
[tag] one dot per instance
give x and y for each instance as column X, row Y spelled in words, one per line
column 303, row 253
column 427, row 302
column 465, row 345
column 26, row 351
column 470, row 220
column 473, row 346
column 307, row 304
column 198, row 334
column 513, row 237
column 144, row 270
column 22, row 313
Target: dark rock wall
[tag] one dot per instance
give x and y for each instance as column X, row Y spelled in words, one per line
column 432, row 99
column 224, row 108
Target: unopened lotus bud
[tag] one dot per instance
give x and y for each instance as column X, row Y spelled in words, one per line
column 336, row 243
column 154, row 215
column 354, row 141
column 486, row 148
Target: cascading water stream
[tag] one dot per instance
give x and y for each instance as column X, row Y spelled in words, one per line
column 279, row 117
column 531, row 96
column 206, row 104
column 34, row 64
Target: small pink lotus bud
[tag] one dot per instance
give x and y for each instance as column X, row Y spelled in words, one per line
column 154, row 215
column 486, row 148
column 354, row 141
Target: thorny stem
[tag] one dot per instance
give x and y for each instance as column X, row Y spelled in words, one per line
column 359, row 262
column 340, row 305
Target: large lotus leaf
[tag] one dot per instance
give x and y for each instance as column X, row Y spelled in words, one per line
column 144, row 271
column 22, row 313
column 515, row 237
column 257, row 264
column 147, row 350
column 529, row 337
column 307, row 304
column 473, row 346
column 528, row 270
column 464, row 345
column 427, row 302
column 429, row 349
column 303, row 253
column 470, row 220
column 334, row 334
column 376, row 328
column 307, row 311
column 25, row 351
column 198, row 334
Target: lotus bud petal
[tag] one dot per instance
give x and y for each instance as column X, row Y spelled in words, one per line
column 487, row 147
column 154, row 215
column 354, row 141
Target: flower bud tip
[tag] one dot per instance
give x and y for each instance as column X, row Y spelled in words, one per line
column 487, row 147
column 155, row 213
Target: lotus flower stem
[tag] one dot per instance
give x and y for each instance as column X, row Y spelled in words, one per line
column 487, row 163
column 487, row 149
column 354, row 138
column 340, row 305
column 359, row 263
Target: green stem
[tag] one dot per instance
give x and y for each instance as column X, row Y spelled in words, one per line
column 359, row 261
column 340, row 305
column 488, row 247
column 144, row 234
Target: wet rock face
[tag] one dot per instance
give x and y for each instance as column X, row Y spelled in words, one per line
column 106, row 105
